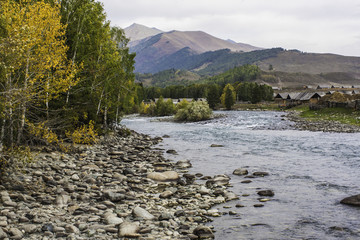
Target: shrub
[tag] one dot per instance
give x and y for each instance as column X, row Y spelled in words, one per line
column 166, row 108
column 160, row 108
column 182, row 105
column 194, row 111
column 14, row 158
column 86, row 134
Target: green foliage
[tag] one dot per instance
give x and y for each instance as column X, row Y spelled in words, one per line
column 228, row 97
column 164, row 108
column 107, row 86
column 243, row 73
column 160, row 108
column 195, row 91
column 213, row 95
column 183, row 104
column 194, row 111
column 253, row 92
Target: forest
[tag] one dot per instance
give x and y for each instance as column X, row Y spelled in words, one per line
column 65, row 73
column 240, row 78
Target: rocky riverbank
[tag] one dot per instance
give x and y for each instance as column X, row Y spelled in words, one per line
column 323, row 126
column 117, row 189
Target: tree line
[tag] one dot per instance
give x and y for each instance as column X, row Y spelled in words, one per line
column 213, row 88
column 64, row 72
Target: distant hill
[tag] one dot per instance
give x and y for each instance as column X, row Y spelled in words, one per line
column 167, row 78
column 295, row 61
column 154, row 47
column 206, row 55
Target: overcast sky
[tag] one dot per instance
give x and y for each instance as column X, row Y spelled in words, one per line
column 321, row 26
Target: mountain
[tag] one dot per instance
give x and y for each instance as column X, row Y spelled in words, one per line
column 153, row 46
column 137, row 32
column 206, row 55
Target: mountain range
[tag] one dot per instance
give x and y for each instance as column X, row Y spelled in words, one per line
column 204, row 54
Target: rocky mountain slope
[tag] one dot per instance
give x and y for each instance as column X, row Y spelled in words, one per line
column 137, row 32
column 153, row 47
column 207, row 55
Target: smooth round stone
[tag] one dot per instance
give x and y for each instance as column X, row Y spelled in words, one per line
column 258, row 205
column 240, row 171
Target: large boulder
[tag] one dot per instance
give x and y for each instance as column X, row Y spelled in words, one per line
column 164, row 176
column 353, row 200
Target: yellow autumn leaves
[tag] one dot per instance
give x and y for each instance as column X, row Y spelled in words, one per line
column 33, row 61
column 35, row 43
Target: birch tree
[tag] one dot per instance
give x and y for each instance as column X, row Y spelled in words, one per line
column 34, row 60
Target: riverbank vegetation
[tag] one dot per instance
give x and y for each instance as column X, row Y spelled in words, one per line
column 66, row 75
column 184, row 111
column 340, row 115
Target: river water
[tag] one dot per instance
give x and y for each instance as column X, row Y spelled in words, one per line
column 310, row 172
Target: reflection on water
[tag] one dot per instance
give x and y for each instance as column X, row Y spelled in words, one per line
column 310, row 172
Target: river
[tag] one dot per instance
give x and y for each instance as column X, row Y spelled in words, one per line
column 310, row 172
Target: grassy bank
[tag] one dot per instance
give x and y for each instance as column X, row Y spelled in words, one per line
column 341, row 115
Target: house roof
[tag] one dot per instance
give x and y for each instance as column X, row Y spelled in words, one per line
column 324, row 86
column 282, row 96
column 305, row 96
column 294, row 95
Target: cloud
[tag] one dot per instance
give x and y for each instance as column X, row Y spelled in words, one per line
column 308, row 25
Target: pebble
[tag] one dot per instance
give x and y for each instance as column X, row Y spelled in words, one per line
column 258, row 205
column 3, row 235
column 267, row 193
column 110, row 190
column 240, row 171
column 15, row 233
column 129, row 229
column 321, row 126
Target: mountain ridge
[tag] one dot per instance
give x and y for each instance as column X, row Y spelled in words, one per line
column 207, row 55
column 153, row 47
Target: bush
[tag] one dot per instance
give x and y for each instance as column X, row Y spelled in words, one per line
column 194, row 111
column 182, row 105
column 166, row 108
column 85, row 134
column 160, row 108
